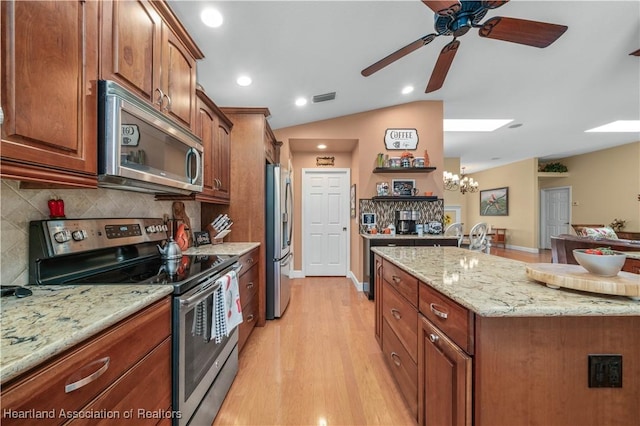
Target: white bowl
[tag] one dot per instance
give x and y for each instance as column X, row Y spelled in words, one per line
column 604, row 265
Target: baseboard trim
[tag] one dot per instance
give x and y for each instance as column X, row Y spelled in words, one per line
column 296, row 274
column 357, row 284
column 526, row 249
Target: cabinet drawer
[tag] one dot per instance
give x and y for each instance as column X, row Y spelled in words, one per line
column 248, row 284
column 454, row 320
column 406, row 284
column 631, row 265
column 403, row 368
column 153, row 376
column 249, row 259
column 123, row 345
column 402, row 318
column 249, row 319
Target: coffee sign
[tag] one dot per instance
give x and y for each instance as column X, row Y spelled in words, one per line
column 401, row 139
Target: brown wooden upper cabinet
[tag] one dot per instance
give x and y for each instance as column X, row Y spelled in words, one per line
column 146, row 49
column 49, row 66
column 214, row 128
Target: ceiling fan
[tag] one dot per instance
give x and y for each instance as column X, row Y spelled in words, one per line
column 457, row 18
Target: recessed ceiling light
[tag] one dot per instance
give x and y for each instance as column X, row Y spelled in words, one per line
column 618, row 126
column 407, row 89
column 211, row 17
column 243, row 80
column 322, row 146
column 301, row 101
column 473, row 125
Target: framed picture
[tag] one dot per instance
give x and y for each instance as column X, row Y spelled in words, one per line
column 494, row 202
column 402, row 187
column 369, row 219
column 353, row 200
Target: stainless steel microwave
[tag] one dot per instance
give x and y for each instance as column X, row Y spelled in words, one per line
column 140, row 149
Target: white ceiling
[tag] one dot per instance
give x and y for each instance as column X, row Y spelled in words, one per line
column 306, row 48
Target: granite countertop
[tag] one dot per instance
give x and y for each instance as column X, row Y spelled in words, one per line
column 55, row 318
column 234, row 249
column 405, row 236
column 494, row 286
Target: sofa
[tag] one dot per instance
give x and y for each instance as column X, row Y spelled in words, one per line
column 562, row 247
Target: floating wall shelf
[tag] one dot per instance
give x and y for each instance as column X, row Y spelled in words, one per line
column 403, row 169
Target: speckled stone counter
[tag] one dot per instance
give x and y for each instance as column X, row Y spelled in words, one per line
column 55, row 318
column 405, row 237
column 493, row 286
column 234, row 249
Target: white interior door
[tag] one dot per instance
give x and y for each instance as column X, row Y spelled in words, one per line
column 325, row 220
column 556, row 214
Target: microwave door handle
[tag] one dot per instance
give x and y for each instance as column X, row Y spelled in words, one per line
column 194, row 152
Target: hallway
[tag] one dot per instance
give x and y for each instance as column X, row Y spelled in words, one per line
column 320, row 363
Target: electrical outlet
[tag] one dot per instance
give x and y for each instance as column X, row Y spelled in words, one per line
column 605, row 371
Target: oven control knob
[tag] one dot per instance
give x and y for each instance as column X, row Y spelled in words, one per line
column 151, row 229
column 79, row 235
column 165, row 228
column 62, row 236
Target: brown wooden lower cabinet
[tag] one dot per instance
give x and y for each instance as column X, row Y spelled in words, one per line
column 127, row 366
column 505, row 371
column 444, row 379
column 248, row 282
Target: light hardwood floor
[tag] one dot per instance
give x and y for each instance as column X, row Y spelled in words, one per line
column 320, row 363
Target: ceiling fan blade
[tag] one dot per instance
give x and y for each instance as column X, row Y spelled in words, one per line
column 398, row 54
column 443, row 7
column 531, row 33
column 636, row 53
column 442, row 66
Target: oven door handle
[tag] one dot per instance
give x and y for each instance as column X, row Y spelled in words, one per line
column 198, row 297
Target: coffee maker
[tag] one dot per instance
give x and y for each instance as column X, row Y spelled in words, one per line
column 406, row 221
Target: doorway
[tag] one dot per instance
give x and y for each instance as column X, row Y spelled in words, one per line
column 555, row 213
column 325, row 222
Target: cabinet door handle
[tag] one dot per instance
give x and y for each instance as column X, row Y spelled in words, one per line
column 168, row 107
column 433, row 338
column 438, row 312
column 396, row 313
column 250, row 318
column 250, row 284
column 391, row 245
column 160, row 98
column 395, row 279
column 396, row 359
column 91, row 377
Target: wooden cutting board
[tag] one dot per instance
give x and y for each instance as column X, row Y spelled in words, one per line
column 556, row 275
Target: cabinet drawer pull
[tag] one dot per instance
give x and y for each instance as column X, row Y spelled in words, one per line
column 250, row 260
column 396, row 279
column 250, row 318
column 438, row 312
column 90, row 378
column 433, row 338
column 396, row 359
column 250, row 284
column 391, row 245
column 396, row 313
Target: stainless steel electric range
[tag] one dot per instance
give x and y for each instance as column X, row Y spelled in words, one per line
column 125, row 251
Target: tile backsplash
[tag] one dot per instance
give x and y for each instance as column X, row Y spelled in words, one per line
column 385, row 210
column 19, row 206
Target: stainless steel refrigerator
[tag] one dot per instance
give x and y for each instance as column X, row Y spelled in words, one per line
column 279, row 226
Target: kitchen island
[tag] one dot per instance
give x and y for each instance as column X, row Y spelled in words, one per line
column 471, row 340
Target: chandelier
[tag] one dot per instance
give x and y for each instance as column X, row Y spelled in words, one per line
column 463, row 183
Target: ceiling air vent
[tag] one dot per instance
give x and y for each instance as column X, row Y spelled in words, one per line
column 325, row 97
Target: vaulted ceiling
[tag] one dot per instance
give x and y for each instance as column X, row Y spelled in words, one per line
column 297, row 49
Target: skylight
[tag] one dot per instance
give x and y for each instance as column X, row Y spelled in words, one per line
column 618, row 126
column 473, row 125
